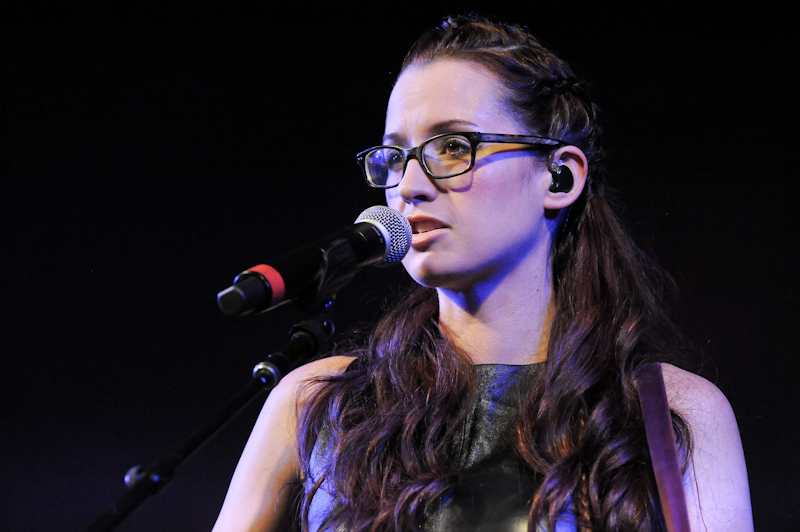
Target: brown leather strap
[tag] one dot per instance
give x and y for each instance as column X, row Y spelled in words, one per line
column 663, row 450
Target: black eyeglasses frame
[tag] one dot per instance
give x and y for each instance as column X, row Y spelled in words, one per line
column 475, row 138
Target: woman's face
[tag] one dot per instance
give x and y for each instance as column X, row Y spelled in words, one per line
column 487, row 222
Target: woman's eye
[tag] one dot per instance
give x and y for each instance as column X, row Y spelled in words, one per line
column 456, row 147
column 395, row 161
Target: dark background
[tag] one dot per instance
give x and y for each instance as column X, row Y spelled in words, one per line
column 148, row 153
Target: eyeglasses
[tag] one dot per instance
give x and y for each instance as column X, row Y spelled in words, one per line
column 442, row 156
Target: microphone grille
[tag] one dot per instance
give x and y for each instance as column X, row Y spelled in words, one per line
column 397, row 226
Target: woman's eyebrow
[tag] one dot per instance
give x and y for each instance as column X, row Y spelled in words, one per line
column 445, row 126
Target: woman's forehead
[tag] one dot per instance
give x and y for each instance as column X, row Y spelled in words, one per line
column 445, row 91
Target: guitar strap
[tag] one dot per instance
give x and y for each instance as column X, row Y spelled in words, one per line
column 663, row 449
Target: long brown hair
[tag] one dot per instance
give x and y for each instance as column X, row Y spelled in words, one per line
column 388, row 420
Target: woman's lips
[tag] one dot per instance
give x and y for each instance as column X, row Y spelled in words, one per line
column 425, row 230
column 423, row 226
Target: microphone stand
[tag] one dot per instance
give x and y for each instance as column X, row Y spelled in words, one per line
column 142, row 482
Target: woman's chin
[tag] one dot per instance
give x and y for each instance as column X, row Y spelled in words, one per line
column 426, row 274
column 437, row 276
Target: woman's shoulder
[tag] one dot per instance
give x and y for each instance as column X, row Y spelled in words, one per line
column 695, row 398
column 717, row 491
column 706, row 410
column 311, row 372
column 297, row 385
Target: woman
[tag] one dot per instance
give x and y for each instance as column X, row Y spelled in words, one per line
column 501, row 394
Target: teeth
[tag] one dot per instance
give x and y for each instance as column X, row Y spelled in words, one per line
column 426, row 225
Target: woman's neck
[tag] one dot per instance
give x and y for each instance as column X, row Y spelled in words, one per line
column 505, row 324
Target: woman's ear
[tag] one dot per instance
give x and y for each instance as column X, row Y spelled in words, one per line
column 568, row 168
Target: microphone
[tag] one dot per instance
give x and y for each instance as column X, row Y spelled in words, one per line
column 380, row 236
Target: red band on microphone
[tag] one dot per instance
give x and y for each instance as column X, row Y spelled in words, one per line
column 275, row 282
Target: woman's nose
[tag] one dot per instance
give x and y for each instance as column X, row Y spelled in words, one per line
column 415, row 185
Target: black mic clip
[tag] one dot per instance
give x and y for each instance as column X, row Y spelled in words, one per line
column 337, row 268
